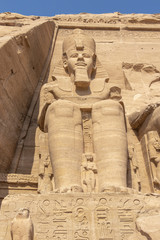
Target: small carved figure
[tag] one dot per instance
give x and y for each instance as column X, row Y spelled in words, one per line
column 134, row 168
column 21, row 226
column 89, row 172
column 154, row 154
column 45, row 175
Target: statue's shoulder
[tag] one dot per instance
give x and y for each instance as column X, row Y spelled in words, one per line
column 99, row 84
column 63, row 83
column 49, row 86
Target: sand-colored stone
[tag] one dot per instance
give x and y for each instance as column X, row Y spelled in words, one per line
column 91, row 169
column 63, row 103
column 149, row 226
column 113, row 216
column 21, row 68
column 21, row 226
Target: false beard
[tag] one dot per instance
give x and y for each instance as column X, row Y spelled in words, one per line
column 82, row 79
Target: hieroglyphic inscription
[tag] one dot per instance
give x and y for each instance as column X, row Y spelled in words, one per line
column 104, row 220
column 115, row 220
column 60, row 220
column 126, row 223
column 81, row 222
column 127, row 212
column 91, row 216
column 97, row 34
column 53, row 220
column 87, row 131
column 89, row 169
column 109, row 19
column 104, row 223
column 148, row 36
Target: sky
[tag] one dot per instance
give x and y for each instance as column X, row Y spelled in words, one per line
column 54, row 7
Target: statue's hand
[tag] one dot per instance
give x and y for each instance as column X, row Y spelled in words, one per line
column 115, row 93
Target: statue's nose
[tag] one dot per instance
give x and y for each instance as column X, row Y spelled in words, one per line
column 80, row 57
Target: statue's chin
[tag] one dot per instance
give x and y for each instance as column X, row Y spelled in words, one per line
column 81, row 79
column 82, row 84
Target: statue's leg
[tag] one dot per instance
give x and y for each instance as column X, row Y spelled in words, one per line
column 63, row 120
column 110, row 144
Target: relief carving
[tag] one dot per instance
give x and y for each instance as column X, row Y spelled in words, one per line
column 45, row 181
column 93, row 184
column 133, row 169
column 89, row 172
column 109, row 18
column 21, row 226
column 81, row 224
column 154, row 156
column 144, row 120
column 85, row 216
column 104, row 223
column 83, row 115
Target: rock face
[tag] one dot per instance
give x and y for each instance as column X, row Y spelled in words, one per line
column 149, row 226
column 80, row 105
column 24, row 51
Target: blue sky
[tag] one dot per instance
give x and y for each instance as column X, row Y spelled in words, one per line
column 53, row 7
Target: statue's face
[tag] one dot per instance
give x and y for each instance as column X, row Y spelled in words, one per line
column 23, row 213
column 79, row 58
column 83, row 59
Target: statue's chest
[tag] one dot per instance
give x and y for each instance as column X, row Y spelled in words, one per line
column 81, row 97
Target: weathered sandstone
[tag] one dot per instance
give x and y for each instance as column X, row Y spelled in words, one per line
column 80, row 127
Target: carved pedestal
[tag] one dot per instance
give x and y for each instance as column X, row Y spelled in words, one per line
column 105, row 216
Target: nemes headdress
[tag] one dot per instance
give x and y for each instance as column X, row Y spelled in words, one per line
column 78, row 40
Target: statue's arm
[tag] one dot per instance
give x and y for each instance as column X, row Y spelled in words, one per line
column 46, row 98
column 136, row 119
column 115, row 93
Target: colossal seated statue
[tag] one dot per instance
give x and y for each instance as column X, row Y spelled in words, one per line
column 146, row 123
column 84, row 117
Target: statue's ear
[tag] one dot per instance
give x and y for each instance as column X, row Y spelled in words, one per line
column 94, row 65
column 65, row 61
column 94, row 61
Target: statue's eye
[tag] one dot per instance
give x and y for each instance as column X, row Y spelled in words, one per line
column 74, row 55
column 86, row 55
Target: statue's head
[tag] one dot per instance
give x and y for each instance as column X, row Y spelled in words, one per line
column 79, row 57
column 23, row 213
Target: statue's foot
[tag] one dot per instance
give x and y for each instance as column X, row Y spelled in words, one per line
column 74, row 188
column 156, row 181
column 114, row 189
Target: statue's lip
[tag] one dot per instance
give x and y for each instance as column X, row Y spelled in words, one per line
column 80, row 64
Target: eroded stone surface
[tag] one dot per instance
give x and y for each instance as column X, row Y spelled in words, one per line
column 21, row 68
column 87, row 216
column 21, row 226
column 80, row 93
column 86, row 113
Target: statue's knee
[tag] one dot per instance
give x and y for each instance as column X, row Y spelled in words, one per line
column 63, row 108
column 107, row 107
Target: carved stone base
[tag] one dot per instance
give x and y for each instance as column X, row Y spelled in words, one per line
column 103, row 216
column 17, row 183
